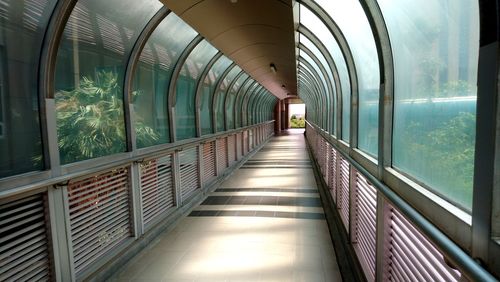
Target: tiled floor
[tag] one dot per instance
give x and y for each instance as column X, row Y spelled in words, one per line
column 265, row 223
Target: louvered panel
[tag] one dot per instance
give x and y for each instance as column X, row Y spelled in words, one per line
column 326, row 162
column 332, row 174
column 245, row 142
column 239, row 146
column 365, row 210
column 157, row 189
column 231, row 149
column 343, row 190
column 99, row 215
column 209, row 172
column 189, row 172
column 409, row 255
column 24, row 251
column 222, row 154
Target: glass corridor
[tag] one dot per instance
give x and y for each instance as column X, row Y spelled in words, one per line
column 117, row 118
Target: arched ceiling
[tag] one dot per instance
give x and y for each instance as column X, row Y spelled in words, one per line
column 252, row 33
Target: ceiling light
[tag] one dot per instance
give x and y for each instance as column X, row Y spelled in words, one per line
column 283, row 86
column 234, row 1
column 273, row 68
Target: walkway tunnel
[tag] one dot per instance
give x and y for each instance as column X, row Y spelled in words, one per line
column 121, row 119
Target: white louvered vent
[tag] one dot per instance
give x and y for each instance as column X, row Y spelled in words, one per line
column 326, row 167
column 157, row 189
column 245, row 142
column 239, row 146
column 24, row 254
column 364, row 222
column 332, row 174
column 410, row 256
column 188, row 168
column 343, row 190
column 99, row 215
column 209, row 171
column 222, row 154
column 231, row 148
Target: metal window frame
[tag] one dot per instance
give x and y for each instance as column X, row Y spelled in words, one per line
column 216, row 88
column 239, row 100
column 229, row 88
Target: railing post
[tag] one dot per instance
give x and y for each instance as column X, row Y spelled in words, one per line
column 136, row 199
column 60, row 230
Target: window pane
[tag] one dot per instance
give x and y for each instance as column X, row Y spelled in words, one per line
column 304, row 40
column 22, row 28
column 208, row 89
column 239, row 100
column 313, row 23
column 230, row 100
column 351, row 19
column 152, row 80
column 90, row 69
column 435, row 64
column 186, row 89
column 221, row 95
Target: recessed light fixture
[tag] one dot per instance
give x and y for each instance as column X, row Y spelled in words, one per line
column 283, row 86
column 234, row 1
column 272, row 66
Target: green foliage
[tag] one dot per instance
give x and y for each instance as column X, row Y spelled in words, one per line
column 443, row 157
column 90, row 120
column 297, row 123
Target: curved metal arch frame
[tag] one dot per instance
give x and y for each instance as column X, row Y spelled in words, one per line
column 130, row 70
column 171, row 93
column 239, row 99
column 331, row 62
column 244, row 106
column 305, row 96
column 216, row 88
column 351, row 67
column 199, row 87
column 314, row 83
column 243, row 84
column 311, row 88
column 228, row 90
column 251, row 103
column 311, row 83
column 331, row 90
column 322, row 91
column 260, row 105
column 244, row 100
column 309, row 93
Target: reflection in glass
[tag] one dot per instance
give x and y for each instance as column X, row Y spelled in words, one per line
column 435, row 64
column 22, row 28
column 152, row 78
column 186, row 89
column 89, row 76
column 250, row 84
column 207, row 90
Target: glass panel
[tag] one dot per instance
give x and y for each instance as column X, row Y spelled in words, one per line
column 323, row 88
column 91, row 64
column 22, row 28
column 186, row 89
column 152, row 80
column 207, row 91
column 351, row 19
column 304, row 40
column 313, row 23
column 239, row 100
column 220, row 96
column 230, row 100
column 435, row 67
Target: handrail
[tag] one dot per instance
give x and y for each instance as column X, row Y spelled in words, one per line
column 140, row 154
column 452, row 251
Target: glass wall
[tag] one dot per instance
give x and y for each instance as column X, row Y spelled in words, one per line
column 313, row 23
column 186, row 89
column 435, row 64
column 91, row 64
column 22, row 29
column 152, row 80
column 231, row 99
column 351, row 19
column 250, row 83
column 207, row 92
column 220, row 97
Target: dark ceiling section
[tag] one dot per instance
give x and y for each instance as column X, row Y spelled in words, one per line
column 253, row 33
